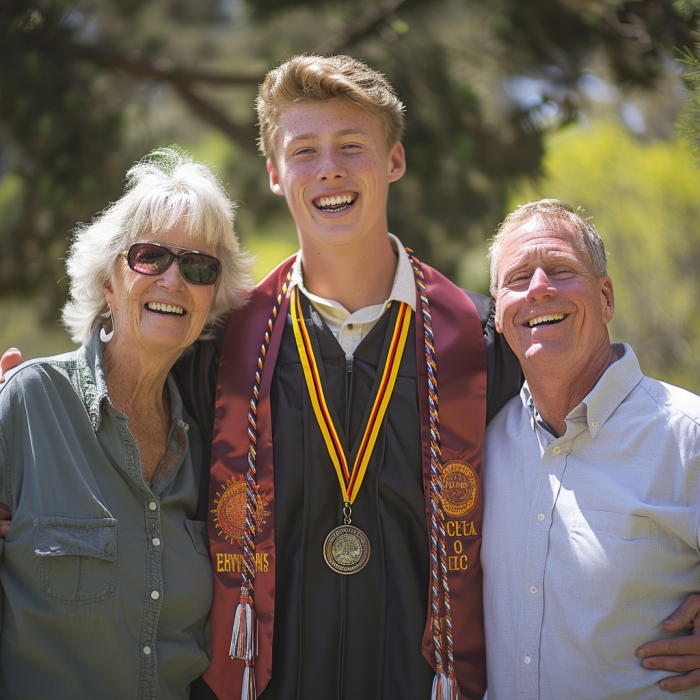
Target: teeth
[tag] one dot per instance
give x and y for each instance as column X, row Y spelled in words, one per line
column 167, row 308
column 544, row 319
column 334, row 201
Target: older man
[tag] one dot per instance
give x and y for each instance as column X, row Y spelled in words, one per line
column 591, row 483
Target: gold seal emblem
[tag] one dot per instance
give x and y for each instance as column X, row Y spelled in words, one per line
column 459, row 488
column 229, row 511
column 346, row 549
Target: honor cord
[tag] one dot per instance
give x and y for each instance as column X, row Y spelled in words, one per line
column 445, row 686
column 244, row 635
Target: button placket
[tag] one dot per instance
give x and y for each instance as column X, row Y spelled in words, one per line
column 551, row 465
column 153, row 599
column 153, row 584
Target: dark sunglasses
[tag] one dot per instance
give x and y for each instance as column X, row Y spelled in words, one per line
column 154, row 259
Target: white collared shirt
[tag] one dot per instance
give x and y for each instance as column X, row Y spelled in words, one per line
column 349, row 329
column 590, row 539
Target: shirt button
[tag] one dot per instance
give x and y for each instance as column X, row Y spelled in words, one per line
column 540, row 516
column 108, row 550
column 156, row 542
column 594, row 424
column 152, row 505
column 350, row 326
column 155, row 595
column 527, row 659
column 147, row 651
column 556, row 450
column 533, row 589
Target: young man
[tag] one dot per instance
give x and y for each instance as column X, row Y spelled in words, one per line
column 592, row 519
column 324, row 501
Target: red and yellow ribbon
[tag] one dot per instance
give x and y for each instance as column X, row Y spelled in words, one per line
column 350, row 480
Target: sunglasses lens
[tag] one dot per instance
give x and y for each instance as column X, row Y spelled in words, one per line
column 152, row 259
column 199, row 269
column 148, row 259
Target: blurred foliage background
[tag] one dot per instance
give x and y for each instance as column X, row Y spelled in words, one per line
column 507, row 101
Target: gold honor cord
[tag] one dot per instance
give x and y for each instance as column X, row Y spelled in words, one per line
column 346, row 549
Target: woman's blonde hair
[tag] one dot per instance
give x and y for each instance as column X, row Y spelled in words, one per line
column 163, row 189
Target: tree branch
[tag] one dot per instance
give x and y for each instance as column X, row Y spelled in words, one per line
column 365, row 26
column 245, row 137
column 166, row 71
column 182, row 79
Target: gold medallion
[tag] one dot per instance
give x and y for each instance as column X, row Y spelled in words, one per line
column 346, row 549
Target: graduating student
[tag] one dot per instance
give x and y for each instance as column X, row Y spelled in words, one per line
column 353, row 393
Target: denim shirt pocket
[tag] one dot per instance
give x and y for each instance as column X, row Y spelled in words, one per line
column 200, row 537
column 78, row 559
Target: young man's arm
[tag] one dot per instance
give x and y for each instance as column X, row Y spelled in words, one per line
column 679, row 654
column 504, row 378
column 196, row 373
column 9, row 360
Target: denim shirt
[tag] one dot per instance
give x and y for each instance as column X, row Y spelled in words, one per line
column 106, row 578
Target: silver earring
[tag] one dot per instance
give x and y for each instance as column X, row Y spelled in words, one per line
column 104, row 336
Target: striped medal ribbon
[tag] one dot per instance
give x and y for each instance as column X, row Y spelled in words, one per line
column 346, row 549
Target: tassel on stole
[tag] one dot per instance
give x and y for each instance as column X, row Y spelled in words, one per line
column 444, row 688
column 248, row 691
column 243, row 635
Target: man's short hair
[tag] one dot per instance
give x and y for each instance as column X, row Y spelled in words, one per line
column 310, row 78
column 551, row 211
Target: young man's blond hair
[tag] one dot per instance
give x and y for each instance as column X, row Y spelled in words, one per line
column 322, row 78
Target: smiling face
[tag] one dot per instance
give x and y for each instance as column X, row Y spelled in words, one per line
column 550, row 306
column 140, row 303
column 332, row 165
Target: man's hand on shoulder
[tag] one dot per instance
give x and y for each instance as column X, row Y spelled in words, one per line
column 5, row 520
column 680, row 654
column 10, row 359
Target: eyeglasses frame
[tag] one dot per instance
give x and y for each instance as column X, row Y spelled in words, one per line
column 175, row 256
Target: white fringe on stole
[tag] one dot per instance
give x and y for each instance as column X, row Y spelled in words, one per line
column 444, row 688
column 248, row 691
column 243, row 635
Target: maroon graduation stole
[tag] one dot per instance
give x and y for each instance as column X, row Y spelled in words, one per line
column 242, row 527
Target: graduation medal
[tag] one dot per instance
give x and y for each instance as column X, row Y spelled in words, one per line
column 346, row 549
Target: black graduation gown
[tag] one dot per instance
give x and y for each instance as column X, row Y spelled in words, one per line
column 354, row 637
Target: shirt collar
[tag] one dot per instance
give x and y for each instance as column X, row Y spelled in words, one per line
column 91, row 384
column 403, row 288
column 612, row 389
column 90, row 381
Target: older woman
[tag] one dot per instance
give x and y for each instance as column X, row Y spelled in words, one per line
column 106, row 577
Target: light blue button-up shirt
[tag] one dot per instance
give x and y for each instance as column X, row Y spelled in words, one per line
column 591, row 539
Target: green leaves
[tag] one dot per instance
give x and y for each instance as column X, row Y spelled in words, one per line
column 643, row 199
column 689, row 119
